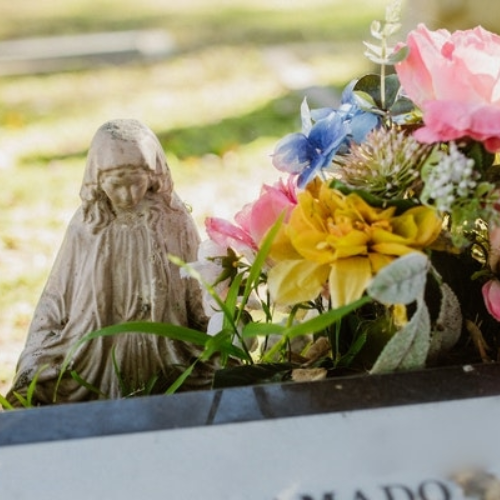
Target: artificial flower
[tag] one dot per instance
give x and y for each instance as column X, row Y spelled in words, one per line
column 451, row 178
column 307, row 152
column 341, row 241
column 454, row 79
column 258, row 217
column 359, row 121
column 216, row 266
column 325, row 132
column 255, row 219
column 229, row 235
column 386, row 164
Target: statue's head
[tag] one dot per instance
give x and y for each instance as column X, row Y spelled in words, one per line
column 122, row 152
column 125, row 144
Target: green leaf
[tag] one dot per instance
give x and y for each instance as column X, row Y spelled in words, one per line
column 231, row 304
column 324, row 320
column 402, row 106
column 373, row 200
column 392, row 87
column 123, row 386
column 399, row 55
column 370, row 84
column 260, row 258
column 315, row 325
column 402, row 281
column 174, row 332
column 32, row 386
column 24, row 402
column 77, row 378
column 409, row 347
column 353, row 351
column 5, row 404
column 222, row 342
column 255, row 329
column 181, row 378
column 483, row 159
column 364, row 100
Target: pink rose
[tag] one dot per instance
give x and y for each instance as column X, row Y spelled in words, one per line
column 254, row 219
column 228, row 235
column 491, row 297
column 455, row 79
column 258, row 217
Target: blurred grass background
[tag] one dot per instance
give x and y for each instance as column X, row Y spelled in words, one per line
column 219, row 102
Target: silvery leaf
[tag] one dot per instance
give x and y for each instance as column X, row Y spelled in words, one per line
column 448, row 327
column 375, row 49
column 402, row 281
column 408, row 348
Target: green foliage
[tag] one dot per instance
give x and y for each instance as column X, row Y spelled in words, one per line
column 368, row 90
column 27, row 400
column 211, row 345
column 314, row 325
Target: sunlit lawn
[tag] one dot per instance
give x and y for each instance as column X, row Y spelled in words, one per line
column 219, row 105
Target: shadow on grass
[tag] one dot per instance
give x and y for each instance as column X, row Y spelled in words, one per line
column 275, row 119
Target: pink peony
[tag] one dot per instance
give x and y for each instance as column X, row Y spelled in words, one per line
column 455, row 79
column 254, row 219
column 491, row 296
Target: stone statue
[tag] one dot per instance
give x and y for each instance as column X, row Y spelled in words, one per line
column 112, row 268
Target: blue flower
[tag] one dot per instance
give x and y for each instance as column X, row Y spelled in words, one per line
column 308, row 152
column 360, row 122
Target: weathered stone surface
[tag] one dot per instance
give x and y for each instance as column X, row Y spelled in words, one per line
column 113, row 267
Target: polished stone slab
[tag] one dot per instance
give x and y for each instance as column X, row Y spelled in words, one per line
column 246, row 404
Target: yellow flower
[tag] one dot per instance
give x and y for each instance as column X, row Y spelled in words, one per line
column 341, row 241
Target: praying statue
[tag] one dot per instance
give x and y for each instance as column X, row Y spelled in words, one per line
column 113, row 267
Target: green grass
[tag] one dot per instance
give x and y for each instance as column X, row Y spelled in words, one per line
column 217, row 106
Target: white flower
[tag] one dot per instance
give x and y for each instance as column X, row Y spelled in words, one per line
column 209, row 266
column 449, row 179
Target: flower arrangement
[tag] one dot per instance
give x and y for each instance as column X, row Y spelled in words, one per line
column 379, row 249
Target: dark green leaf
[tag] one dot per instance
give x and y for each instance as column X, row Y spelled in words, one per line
column 353, row 350
column 483, row 159
column 370, row 84
column 402, row 106
column 375, row 201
